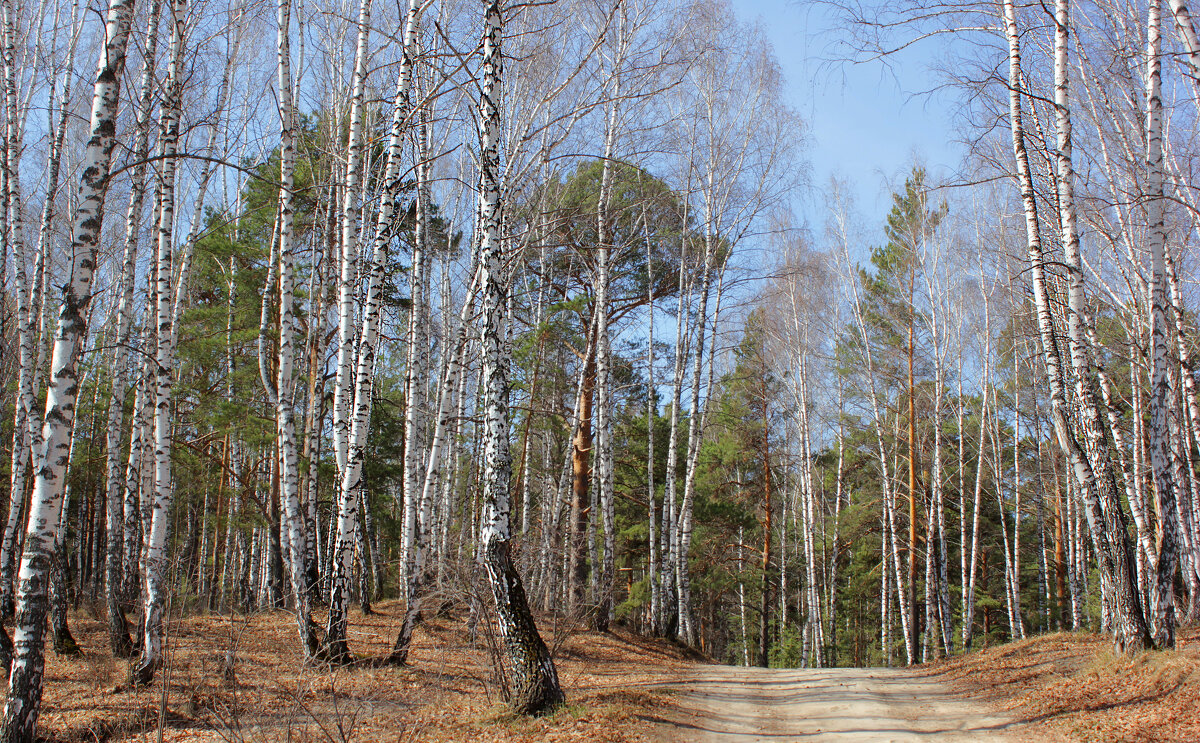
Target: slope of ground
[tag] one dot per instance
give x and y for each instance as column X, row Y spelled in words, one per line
column 445, row 693
column 1073, row 686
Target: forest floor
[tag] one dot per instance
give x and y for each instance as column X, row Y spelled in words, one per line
column 1074, row 686
column 620, row 687
column 445, row 693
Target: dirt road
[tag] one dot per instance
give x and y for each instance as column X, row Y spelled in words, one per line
column 728, row 704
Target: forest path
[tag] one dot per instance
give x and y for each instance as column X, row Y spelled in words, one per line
column 727, row 704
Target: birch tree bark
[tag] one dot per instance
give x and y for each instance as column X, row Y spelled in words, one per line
column 23, row 702
column 653, row 547
column 889, row 527
column 1161, row 394
column 668, row 602
column 1187, row 34
column 414, row 383
column 687, row 626
column 155, row 577
column 348, row 264
column 122, row 645
column 534, row 680
column 603, row 440
column 1106, row 519
column 25, row 310
column 351, row 447
column 345, row 385
column 289, row 464
column 452, row 374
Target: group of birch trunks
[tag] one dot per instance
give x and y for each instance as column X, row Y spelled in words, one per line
column 504, row 309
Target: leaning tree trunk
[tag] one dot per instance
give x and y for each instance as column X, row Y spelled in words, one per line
column 351, row 448
column 534, row 687
column 23, row 702
column 1106, row 519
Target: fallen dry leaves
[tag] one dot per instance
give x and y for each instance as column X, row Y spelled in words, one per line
column 1074, row 686
column 444, row 694
column 1060, row 686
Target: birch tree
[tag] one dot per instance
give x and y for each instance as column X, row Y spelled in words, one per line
column 535, row 688
column 23, row 701
column 350, row 449
column 284, row 385
column 156, row 559
column 1161, row 392
column 1105, row 516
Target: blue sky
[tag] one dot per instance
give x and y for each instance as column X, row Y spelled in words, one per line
column 866, row 122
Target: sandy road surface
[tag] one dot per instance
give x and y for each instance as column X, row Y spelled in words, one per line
column 728, row 704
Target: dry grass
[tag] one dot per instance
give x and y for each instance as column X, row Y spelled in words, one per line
column 445, row 693
column 1074, row 686
column 1061, row 686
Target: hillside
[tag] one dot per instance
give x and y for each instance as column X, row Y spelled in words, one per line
column 1072, row 686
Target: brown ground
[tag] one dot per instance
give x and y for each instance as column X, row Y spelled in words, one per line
column 445, row 694
column 1072, row 686
column 1058, row 687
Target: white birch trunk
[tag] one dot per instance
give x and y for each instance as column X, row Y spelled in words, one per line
column 119, row 639
column 451, row 382
column 670, row 531
column 651, row 416
column 155, row 578
column 1187, row 34
column 603, row 440
column 1161, row 394
column 25, row 310
column 682, row 579
column 344, row 384
column 414, row 383
column 289, row 463
column 1105, row 517
column 351, row 447
column 25, row 681
column 534, row 680
column 886, row 494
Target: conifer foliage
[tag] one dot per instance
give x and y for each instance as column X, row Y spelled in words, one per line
column 500, row 309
